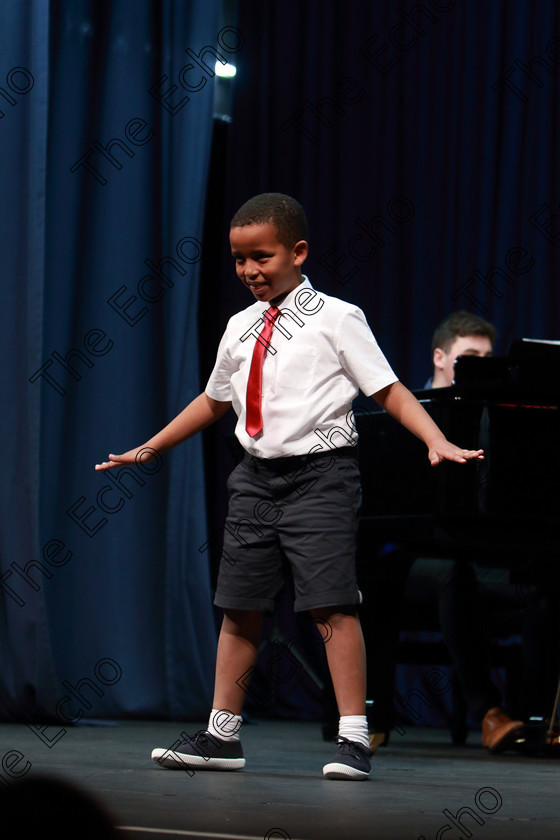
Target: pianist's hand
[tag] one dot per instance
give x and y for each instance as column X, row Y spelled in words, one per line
column 445, row 451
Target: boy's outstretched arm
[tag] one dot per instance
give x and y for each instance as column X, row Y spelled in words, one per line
column 199, row 414
column 401, row 404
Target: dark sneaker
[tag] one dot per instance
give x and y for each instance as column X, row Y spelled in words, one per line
column 352, row 761
column 201, row 751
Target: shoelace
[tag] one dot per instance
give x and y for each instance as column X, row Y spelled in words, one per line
column 202, row 739
column 352, row 748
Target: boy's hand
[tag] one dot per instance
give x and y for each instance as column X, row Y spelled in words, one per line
column 401, row 404
column 142, row 454
column 445, row 451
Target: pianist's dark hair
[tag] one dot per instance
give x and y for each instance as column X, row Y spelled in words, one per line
column 283, row 211
column 459, row 324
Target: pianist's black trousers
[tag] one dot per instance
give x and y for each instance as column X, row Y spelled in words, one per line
column 478, row 606
column 471, row 607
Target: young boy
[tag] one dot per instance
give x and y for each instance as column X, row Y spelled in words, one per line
column 296, row 494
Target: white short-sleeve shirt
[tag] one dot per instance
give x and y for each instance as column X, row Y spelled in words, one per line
column 322, row 352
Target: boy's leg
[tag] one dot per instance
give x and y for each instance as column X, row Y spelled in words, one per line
column 346, row 657
column 238, row 647
column 219, row 748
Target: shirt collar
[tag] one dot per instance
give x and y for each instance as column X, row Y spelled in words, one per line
column 289, row 299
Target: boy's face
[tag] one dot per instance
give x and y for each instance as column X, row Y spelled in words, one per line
column 263, row 264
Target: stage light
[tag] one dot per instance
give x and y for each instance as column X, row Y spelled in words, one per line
column 226, row 71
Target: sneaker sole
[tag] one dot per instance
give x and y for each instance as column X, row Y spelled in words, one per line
column 181, row 761
column 345, row 772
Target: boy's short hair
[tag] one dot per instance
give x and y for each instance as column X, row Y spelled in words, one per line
column 284, row 212
column 459, row 324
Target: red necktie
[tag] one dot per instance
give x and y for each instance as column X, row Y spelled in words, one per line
column 253, row 414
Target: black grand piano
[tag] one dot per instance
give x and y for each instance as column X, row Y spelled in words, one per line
column 503, row 511
column 500, row 512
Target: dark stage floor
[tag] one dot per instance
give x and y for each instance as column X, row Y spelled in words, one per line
column 281, row 793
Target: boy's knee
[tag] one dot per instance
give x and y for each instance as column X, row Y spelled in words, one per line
column 329, row 614
column 235, row 619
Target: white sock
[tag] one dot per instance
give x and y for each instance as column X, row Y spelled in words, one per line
column 355, row 728
column 225, row 725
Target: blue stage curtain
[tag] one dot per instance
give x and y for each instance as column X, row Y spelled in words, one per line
column 106, row 603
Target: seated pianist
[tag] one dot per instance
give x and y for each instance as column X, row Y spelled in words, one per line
column 459, row 593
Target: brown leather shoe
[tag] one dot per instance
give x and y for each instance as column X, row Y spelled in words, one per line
column 500, row 732
column 378, row 739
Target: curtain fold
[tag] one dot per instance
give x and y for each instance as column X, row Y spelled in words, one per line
column 104, row 164
column 25, row 651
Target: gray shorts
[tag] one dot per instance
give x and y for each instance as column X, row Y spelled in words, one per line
column 297, row 513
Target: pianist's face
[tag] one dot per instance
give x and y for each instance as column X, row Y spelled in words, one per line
column 465, row 345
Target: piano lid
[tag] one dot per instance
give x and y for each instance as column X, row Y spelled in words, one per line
column 530, row 364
